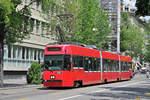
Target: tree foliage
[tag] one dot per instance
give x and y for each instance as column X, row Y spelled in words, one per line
column 143, row 7
column 14, row 22
column 34, row 73
column 132, row 37
column 78, row 18
column 93, row 23
column 147, row 53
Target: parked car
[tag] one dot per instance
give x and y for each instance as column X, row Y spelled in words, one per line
column 143, row 70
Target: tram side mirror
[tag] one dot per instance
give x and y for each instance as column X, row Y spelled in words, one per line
column 46, row 65
column 42, row 67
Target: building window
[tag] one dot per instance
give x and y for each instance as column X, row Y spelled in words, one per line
column 25, row 1
column 37, row 26
column 27, row 53
column 9, row 51
column 14, row 51
column 37, row 5
column 31, row 24
column 19, row 52
column 23, row 52
column 42, row 55
column 43, row 29
column 5, row 51
column 31, row 54
column 35, row 54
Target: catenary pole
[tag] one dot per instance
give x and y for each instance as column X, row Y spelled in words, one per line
column 118, row 27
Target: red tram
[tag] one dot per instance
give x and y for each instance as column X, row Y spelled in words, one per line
column 67, row 65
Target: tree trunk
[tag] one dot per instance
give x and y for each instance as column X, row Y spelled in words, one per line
column 2, row 27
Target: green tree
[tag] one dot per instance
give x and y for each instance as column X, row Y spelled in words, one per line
column 34, row 73
column 78, row 19
column 10, row 26
column 92, row 23
column 143, row 7
column 132, row 38
column 14, row 24
column 147, row 53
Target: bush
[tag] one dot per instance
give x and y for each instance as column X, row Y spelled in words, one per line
column 34, row 73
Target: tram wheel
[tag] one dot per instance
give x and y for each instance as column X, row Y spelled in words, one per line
column 105, row 81
column 76, row 84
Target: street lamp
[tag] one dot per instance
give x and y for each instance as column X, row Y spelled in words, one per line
column 95, row 29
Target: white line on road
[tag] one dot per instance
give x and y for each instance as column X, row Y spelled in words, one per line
column 70, row 97
column 100, row 90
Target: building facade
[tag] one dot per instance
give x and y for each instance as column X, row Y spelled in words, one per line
column 19, row 56
column 112, row 7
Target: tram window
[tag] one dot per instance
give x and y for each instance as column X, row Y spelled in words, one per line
column 109, row 67
column 127, row 67
column 124, row 66
column 80, row 61
column 104, row 65
column 113, row 65
column 130, row 65
column 67, row 63
column 94, row 64
column 86, row 63
column 117, row 65
column 75, row 61
column 90, row 64
column 121, row 64
column 98, row 67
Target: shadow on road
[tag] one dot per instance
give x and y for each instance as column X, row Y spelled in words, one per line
column 124, row 93
column 55, row 88
column 67, row 88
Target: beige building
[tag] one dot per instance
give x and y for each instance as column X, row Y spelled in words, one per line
column 19, row 56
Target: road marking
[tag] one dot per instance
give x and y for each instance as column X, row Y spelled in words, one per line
column 100, row 91
column 147, row 93
column 70, row 97
column 23, row 99
column 137, row 99
column 9, row 92
column 56, row 93
column 84, row 89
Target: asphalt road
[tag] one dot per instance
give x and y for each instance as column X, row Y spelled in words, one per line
column 136, row 89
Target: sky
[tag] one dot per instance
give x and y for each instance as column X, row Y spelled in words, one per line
column 130, row 2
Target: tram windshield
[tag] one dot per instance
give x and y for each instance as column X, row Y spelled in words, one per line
column 57, row 62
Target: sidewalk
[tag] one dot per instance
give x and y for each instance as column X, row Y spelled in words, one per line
column 16, row 86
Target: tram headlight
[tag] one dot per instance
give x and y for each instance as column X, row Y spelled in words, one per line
column 52, row 77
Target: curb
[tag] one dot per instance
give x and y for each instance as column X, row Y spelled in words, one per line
column 18, row 87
